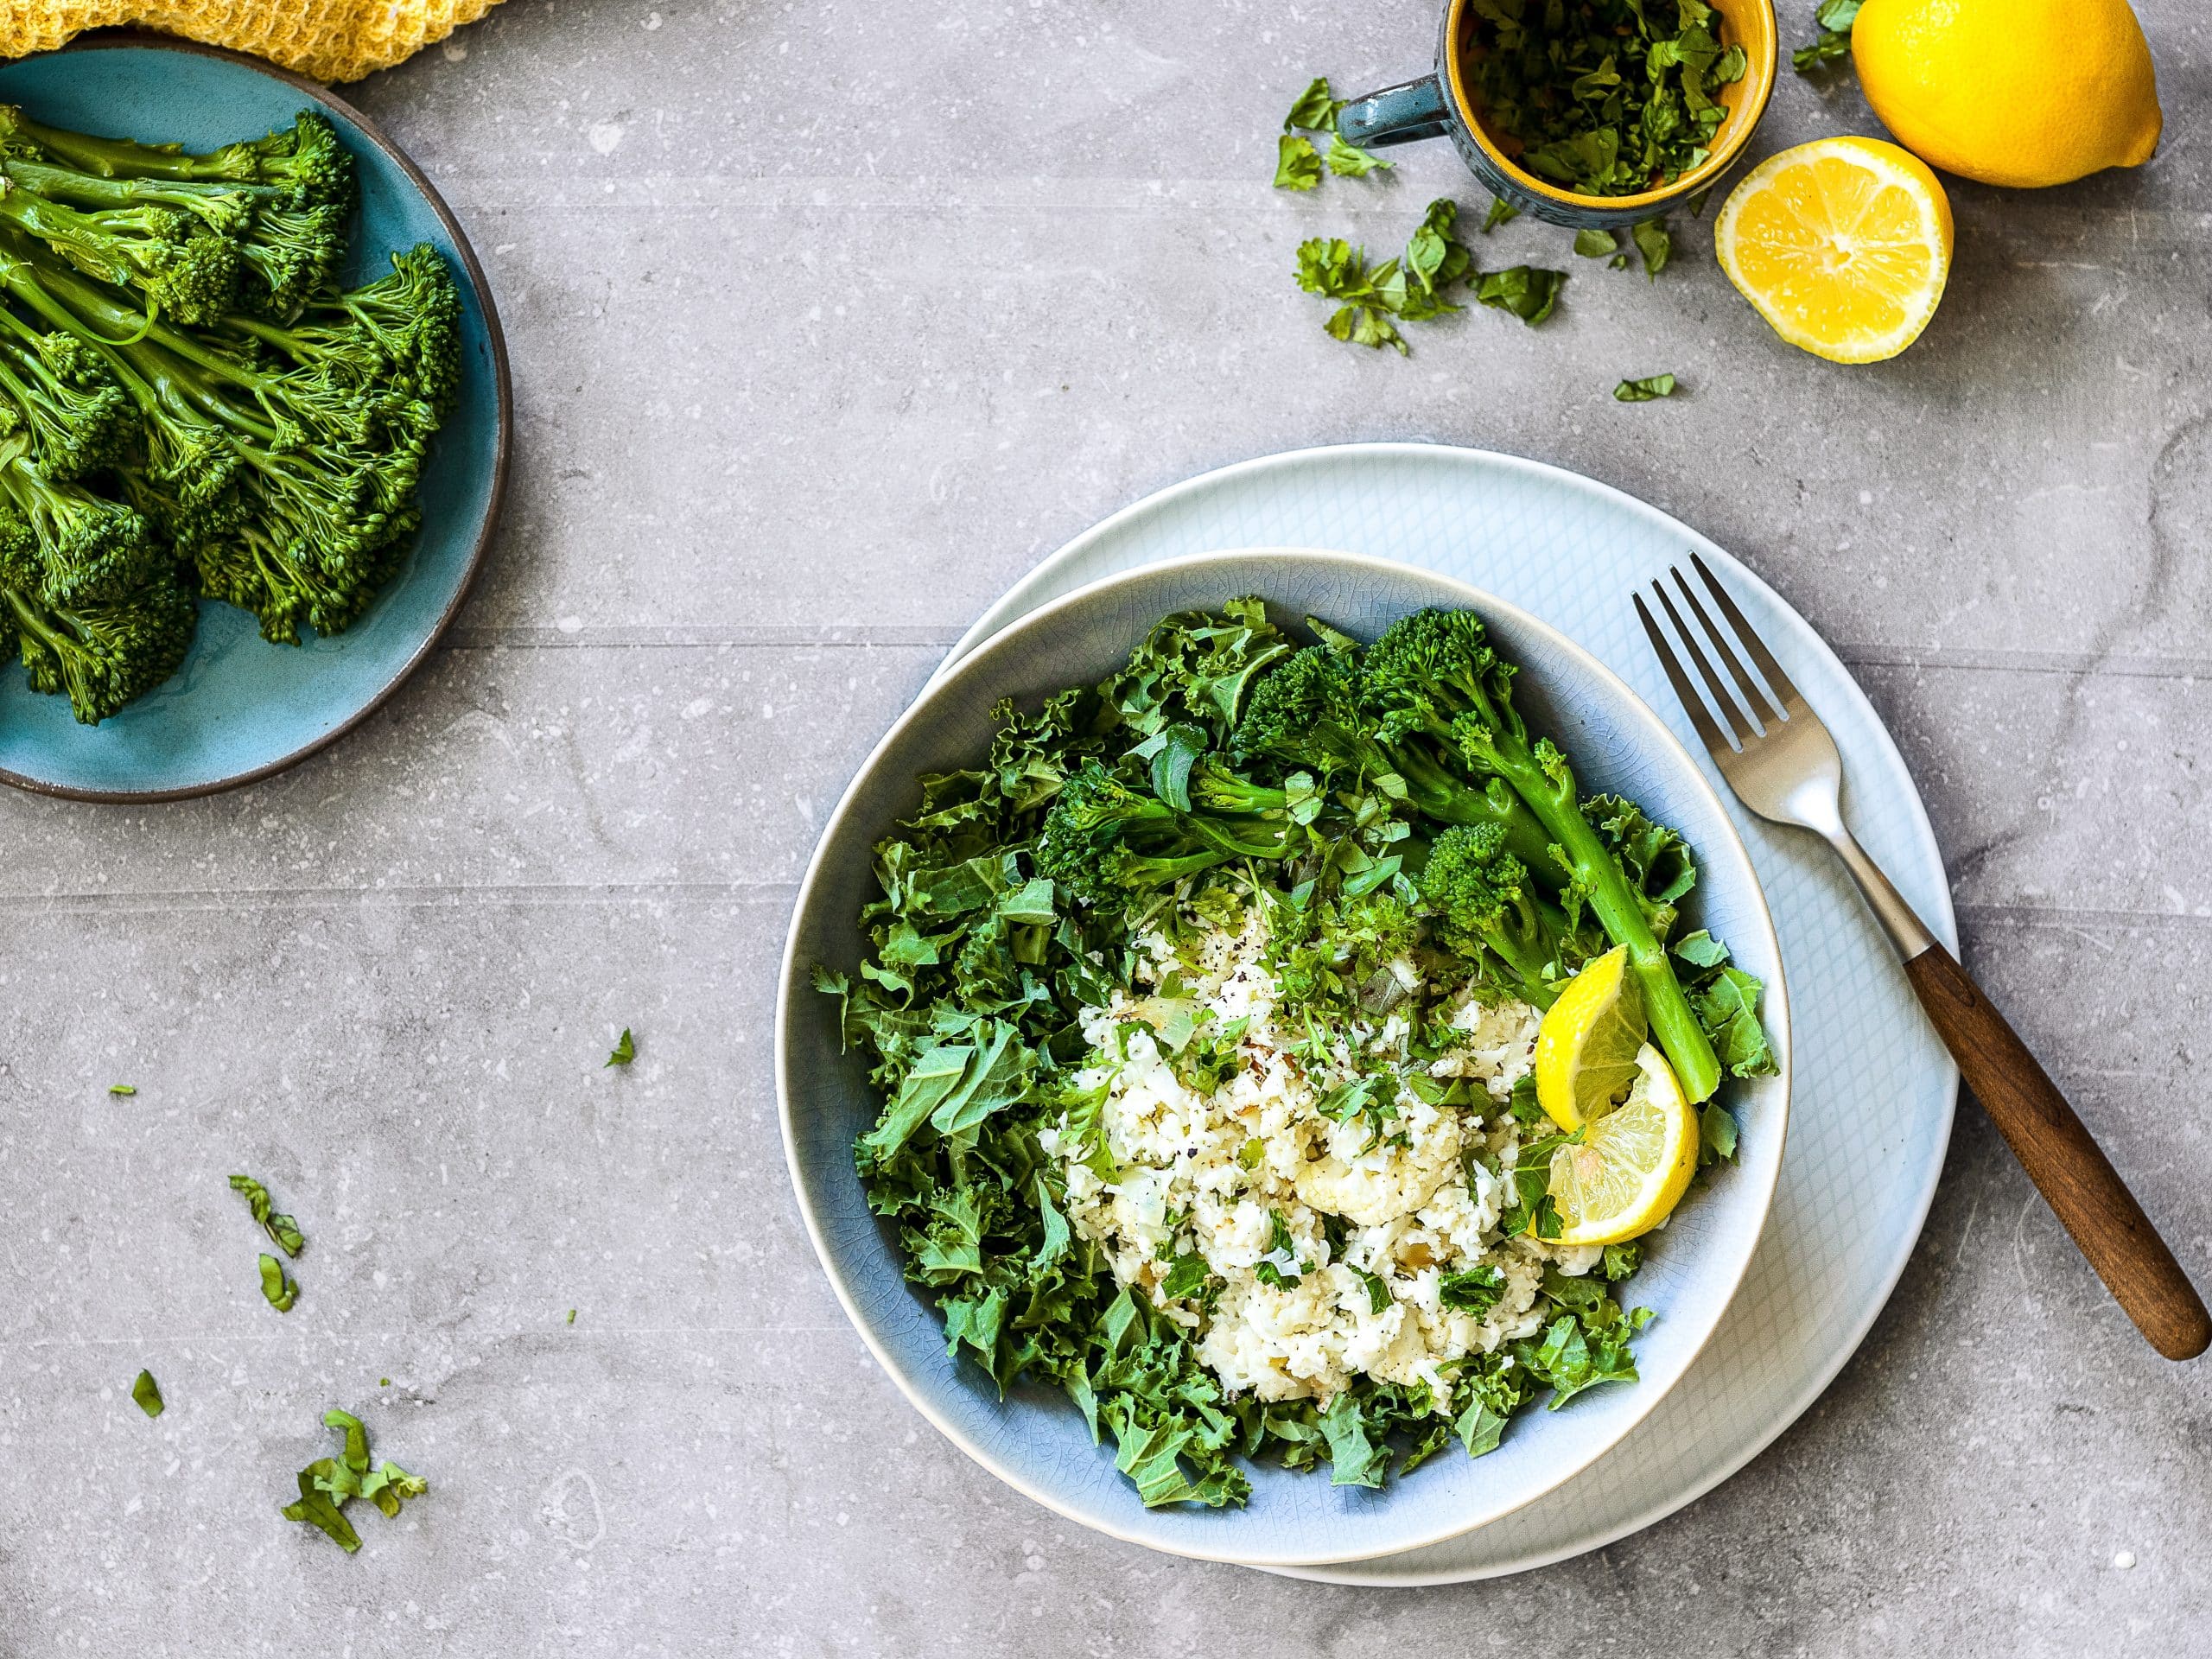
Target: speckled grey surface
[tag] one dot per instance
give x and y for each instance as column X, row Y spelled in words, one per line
column 793, row 296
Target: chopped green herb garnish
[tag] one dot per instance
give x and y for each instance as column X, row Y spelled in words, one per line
column 282, row 1230
column 1502, row 211
column 1726, row 1001
column 1333, row 269
column 1530, row 292
column 1607, row 97
column 148, row 1394
column 123, row 1089
column 280, row 1291
column 1696, row 200
column 1643, row 391
column 1593, row 243
column 1187, row 1277
column 327, row 1484
column 1653, row 243
column 572, row 1316
column 1473, row 1293
column 1378, row 1292
column 1416, row 285
column 1298, row 165
column 1833, row 44
column 1280, row 1268
column 1315, row 110
column 625, row 1051
column 1350, row 162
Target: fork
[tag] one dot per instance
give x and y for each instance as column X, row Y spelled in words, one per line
column 1783, row 764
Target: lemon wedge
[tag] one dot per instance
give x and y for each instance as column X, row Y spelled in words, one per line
column 1587, row 1046
column 1633, row 1164
column 1842, row 245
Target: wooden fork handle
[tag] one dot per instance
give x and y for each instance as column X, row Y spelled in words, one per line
column 2062, row 1159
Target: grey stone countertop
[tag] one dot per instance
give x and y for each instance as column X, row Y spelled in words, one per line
column 829, row 321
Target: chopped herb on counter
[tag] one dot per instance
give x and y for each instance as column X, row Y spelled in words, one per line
column 625, row 1051
column 1833, row 45
column 1502, row 211
column 279, row 1291
column 1413, row 288
column 1315, row 110
column 1350, row 162
column 1653, row 243
column 1530, row 292
column 282, row 1230
column 148, row 1394
column 327, row 1484
column 1298, row 164
column 1643, row 391
column 1607, row 97
column 572, row 1316
column 122, row 1089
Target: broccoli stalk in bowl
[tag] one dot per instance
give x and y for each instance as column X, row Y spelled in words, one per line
column 1305, row 712
column 1110, row 844
column 1434, row 674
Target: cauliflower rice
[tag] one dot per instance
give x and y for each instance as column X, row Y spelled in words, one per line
column 1210, row 1173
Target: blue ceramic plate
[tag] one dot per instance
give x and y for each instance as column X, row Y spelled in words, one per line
column 1035, row 1439
column 241, row 709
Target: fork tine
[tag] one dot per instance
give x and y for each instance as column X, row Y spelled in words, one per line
column 1754, row 698
column 1731, row 716
column 1775, row 677
column 1711, row 735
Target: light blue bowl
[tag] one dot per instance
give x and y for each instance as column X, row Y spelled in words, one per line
column 1034, row 1440
column 241, row 709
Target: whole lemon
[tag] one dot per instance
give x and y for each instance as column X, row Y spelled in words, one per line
column 2023, row 93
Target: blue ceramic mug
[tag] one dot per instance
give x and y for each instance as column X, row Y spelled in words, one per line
column 1441, row 104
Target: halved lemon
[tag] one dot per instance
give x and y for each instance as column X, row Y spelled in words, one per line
column 1587, row 1046
column 1633, row 1164
column 1843, row 245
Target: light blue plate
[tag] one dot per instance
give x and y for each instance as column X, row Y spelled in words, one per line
column 241, row 709
column 1873, row 1090
column 1034, row 1438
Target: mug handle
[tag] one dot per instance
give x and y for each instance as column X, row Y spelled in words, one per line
column 1396, row 115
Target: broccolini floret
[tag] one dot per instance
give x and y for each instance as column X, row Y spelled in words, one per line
column 1485, row 902
column 98, row 644
column 1434, row 675
column 1110, row 844
column 285, row 477
column 1307, row 711
column 261, row 222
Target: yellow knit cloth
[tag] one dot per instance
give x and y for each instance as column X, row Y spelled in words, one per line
column 328, row 40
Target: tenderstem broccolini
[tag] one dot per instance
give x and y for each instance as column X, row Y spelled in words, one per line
column 188, row 401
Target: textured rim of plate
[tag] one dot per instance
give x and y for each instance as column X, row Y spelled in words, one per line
column 1020, row 599
column 788, row 988
column 503, row 390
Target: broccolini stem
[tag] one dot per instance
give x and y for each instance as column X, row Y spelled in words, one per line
column 1446, row 796
column 1549, row 791
column 120, row 158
